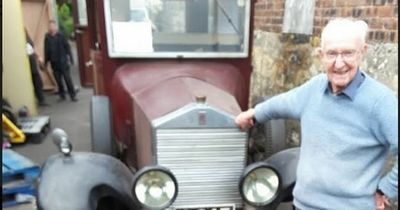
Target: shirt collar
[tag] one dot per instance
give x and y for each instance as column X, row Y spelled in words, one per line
column 351, row 90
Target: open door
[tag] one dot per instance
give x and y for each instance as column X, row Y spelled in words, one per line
column 83, row 42
column 95, row 14
column 36, row 16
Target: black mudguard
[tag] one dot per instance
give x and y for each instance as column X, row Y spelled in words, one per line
column 285, row 162
column 85, row 181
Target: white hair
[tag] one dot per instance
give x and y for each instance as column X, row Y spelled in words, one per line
column 347, row 25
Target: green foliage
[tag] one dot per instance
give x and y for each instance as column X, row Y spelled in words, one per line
column 65, row 20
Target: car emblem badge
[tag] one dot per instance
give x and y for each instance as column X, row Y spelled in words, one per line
column 202, row 117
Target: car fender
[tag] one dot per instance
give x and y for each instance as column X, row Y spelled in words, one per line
column 82, row 181
column 285, row 162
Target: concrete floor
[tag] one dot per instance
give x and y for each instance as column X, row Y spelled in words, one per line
column 72, row 117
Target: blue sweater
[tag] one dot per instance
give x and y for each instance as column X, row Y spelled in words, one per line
column 345, row 140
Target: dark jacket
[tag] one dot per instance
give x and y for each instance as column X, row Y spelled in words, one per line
column 57, row 50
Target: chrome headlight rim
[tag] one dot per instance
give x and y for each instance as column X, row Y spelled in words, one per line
column 248, row 170
column 145, row 170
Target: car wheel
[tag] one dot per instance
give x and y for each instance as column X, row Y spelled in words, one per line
column 101, row 126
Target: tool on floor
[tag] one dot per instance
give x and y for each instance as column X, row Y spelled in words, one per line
column 12, row 133
column 35, row 128
column 22, row 127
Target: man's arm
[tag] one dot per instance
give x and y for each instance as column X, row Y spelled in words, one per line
column 286, row 105
column 289, row 104
column 280, row 106
column 386, row 130
column 389, row 183
column 67, row 48
column 46, row 50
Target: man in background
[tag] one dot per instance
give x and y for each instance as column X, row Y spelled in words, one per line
column 36, row 80
column 58, row 53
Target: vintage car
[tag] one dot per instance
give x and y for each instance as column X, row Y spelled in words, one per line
column 162, row 120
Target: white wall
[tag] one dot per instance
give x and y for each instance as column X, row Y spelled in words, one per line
column 17, row 81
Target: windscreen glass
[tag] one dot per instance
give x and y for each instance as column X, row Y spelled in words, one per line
column 177, row 28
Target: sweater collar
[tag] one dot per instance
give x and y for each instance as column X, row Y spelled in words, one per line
column 351, row 90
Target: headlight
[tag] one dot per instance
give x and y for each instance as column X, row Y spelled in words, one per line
column 154, row 187
column 260, row 184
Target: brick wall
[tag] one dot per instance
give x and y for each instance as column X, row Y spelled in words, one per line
column 381, row 16
column 269, row 15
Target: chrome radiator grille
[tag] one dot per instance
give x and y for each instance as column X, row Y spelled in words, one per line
column 206, row 162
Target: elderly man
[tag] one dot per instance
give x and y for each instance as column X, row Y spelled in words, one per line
column 349, row 124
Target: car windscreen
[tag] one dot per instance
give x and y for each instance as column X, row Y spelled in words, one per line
column 177, row 28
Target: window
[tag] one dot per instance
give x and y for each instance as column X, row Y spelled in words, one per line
column 177, row 28
column 82, row 12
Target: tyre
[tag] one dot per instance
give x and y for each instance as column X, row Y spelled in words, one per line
column 39, row 137
column 101, row 126
column 8, row 112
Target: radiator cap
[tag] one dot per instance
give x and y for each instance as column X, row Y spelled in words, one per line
column 201, row 99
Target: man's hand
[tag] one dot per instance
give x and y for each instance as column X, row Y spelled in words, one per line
column 71, row 60
column 40, row 59
column 42, row 66
column 245, row 119
column 381, row 202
